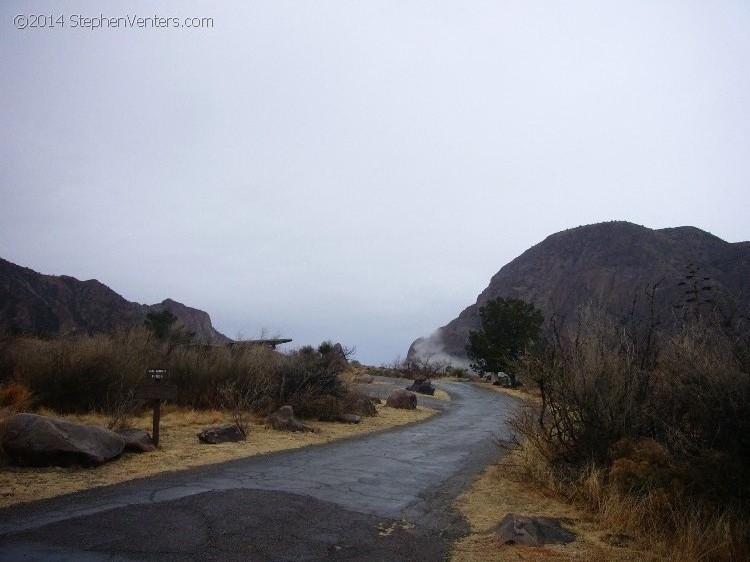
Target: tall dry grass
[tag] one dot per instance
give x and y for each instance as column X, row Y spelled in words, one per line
column 652, row 433
column 99, row 373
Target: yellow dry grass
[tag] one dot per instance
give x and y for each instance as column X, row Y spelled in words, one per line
column 440, row 394
column 496, row 492
column 179, row 449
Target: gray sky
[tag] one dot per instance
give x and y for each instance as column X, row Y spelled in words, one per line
column 357, row 171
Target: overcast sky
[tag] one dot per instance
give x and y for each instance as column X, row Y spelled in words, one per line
column 358, row 170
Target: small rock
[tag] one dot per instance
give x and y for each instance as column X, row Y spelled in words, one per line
column 531, row 531
column 423, row 386
column 402, row 398
column 137, row 440
column 343, row 418
column 221, row 434
column 283, row 419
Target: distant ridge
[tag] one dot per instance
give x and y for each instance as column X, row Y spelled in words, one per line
column 610, row 263
column 61, row 305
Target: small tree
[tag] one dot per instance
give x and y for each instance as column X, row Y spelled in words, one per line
column 160, row 323
column 165, row 327
column 508, row 327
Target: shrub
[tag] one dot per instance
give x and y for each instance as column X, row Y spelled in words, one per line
column 655, row 429
column 100, row 372
column 15, row 396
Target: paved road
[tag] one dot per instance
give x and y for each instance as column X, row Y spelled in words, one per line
column 379, row 497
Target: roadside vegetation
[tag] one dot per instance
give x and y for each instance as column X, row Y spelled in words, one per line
column 92, row 380
column 99, row 373
column 647, row 428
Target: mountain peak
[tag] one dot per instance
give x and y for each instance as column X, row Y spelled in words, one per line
column 50, row 304
column 609, row 263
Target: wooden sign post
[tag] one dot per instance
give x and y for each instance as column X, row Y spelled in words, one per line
column 156, row 392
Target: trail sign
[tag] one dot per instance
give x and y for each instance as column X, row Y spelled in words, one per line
column 156, row 392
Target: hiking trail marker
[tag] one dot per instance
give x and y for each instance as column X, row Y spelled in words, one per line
column 156, row 392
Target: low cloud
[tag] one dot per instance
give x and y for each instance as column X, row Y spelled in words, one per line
column 433, row 349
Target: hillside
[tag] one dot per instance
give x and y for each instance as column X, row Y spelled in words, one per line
column 50, row 304
column 609, row 264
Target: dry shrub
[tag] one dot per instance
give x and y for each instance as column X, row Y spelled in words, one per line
column 653, row 433
column 359, row 403
column 15, row 396
column 99, row 373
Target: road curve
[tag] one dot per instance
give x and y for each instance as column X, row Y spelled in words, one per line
column 379, row 497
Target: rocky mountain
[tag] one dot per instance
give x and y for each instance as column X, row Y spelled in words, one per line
column 50, row 304
column 610, row 265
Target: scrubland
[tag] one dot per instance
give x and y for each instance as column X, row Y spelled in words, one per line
column 637, row 437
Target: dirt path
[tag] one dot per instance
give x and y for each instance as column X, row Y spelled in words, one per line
column 379, row 497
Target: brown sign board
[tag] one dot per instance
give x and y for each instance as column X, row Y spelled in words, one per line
column 156, row 391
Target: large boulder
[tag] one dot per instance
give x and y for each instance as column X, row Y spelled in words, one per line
column 228, row 433
column 402, row 398
column 32, row 440
column 531, row 531
column 283, row 419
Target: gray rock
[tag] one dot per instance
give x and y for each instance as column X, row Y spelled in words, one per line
column 283, row 419
column 423, row 386
column 363, row 378
column 343, row 418
column 349, row 418
column 402, row 398
column 137, row 440
column 32, row 440
column 531, row 531
column 221, row 434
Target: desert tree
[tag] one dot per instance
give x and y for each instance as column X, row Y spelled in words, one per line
column 508, row 327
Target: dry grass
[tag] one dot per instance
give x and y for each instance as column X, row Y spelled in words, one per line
column 500, row 489
column 440, row 394
column 179, row 449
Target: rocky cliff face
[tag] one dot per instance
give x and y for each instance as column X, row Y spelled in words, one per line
column 196, row 321
column 608, row 264
column 50, row 304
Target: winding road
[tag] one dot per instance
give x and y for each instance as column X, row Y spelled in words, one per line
column 381, row 497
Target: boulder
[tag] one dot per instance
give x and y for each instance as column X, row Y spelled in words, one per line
column 338, row 349
column 32, row 440
column 343, row 418
column 363, row 378
column 423, row 386
column 402, row 398
column 137, row 440
column 283, row 419
column 360, row 404
column 221, row 434
column 531, row 531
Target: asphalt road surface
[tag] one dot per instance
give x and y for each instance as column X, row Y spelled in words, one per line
column 378, row 497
